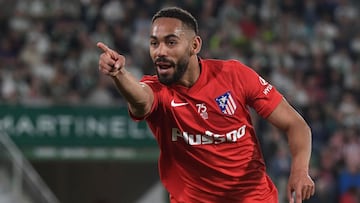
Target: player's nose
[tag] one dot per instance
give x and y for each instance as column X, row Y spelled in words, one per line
column 161, row 50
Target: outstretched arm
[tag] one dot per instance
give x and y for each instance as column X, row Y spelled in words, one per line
column 299, row 138
column 138, row 95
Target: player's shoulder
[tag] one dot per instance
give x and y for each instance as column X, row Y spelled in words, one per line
column 152, row 81
column 149, row 79
column 229, row 65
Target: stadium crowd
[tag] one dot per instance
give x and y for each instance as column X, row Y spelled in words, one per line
column 308, row 49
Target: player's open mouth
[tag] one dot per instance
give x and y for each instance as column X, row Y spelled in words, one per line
column 164, row 68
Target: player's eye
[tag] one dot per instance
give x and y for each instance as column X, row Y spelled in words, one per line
column 172, row 42
column 153, row 43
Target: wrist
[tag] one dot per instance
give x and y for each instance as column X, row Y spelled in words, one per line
column 299, row 169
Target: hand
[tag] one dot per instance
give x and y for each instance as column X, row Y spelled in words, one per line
column 110, row 62
column 302, row 185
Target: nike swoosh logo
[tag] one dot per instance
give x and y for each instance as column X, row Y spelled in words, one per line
column 173, row 104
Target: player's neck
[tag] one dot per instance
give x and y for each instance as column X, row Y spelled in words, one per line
column 192, row 73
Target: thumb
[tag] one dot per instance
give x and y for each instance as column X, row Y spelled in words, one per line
column 107, row 50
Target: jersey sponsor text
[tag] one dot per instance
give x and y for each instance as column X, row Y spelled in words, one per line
column 208, row 137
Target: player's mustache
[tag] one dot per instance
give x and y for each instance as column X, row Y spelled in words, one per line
column 163, row 60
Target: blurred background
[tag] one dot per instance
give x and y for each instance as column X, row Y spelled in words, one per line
column 65, row 135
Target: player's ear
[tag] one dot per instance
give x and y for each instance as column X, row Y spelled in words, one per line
column 196, row 45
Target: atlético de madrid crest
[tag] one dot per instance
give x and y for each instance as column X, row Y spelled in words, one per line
column 226, row 103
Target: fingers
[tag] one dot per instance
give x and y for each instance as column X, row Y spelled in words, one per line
column 107, row 50
column 110, row 62
column 114, row 69
column 308, row 188
column 297, row 195
column 308, row 191
column 120, row 62
column 103, row 47
column 289, row 194
column 105, row 63
column 294, row 197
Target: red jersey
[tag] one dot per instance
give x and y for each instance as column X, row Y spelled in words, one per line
column 209, row 152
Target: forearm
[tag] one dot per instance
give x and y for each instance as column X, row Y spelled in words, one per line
column 299, row 139
column 138, row 97
column 298, row 133
column 300, row 185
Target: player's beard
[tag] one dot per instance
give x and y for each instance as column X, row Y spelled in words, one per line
column 180, row 69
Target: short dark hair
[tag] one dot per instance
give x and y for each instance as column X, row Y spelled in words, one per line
column 178, row 13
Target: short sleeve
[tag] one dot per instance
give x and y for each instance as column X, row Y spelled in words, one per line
column 259, row 93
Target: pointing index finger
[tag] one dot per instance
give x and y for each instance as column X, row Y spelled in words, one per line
column 107, row 50
column 103, row 47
